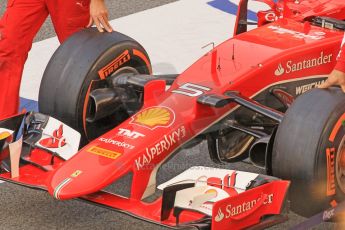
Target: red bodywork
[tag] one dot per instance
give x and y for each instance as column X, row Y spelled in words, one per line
column 288, row 49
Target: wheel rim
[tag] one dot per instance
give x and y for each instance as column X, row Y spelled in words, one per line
column 340, row 165
column 126, row 69
column 95, row 129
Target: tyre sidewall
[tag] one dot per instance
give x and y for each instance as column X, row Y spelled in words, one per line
column 135, row 62
column 325, row 164
column 78, row 62
column 299, row 151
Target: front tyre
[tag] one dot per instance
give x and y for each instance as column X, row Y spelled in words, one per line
column 87, row 57
column 309, row 150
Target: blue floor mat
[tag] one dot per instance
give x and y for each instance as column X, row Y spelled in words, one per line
column 29, row 105
column 231, row 8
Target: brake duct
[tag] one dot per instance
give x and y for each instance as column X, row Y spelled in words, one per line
column 122, row 92
column 106, row 101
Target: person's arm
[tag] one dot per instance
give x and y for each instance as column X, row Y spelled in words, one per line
column 99, row 16
column 337, row 77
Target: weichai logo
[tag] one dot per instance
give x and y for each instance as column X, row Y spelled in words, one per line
column 304, row 88
column 154, row 117
column 114, row 65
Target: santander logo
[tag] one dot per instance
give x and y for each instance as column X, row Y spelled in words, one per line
column 280, row 70
column 292, row 66
column 220, row 216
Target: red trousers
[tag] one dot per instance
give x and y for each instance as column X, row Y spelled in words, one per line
column 18, row 27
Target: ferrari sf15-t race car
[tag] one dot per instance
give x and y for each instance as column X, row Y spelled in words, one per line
column 246, row 98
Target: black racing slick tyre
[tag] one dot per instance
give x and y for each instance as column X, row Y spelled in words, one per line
column 86, row 57
column 309, row 150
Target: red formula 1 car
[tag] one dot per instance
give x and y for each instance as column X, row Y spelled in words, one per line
column 240, row 97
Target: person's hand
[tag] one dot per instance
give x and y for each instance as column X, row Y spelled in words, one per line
column 99, row 16
column 335, row 78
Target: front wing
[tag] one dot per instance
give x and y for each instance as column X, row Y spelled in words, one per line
column 201, row 197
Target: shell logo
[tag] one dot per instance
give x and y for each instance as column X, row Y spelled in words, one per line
column 212, row 191
column 4, row 135
column 154, row 117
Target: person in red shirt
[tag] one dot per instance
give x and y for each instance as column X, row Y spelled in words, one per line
column 337, row 76
column 18, row 27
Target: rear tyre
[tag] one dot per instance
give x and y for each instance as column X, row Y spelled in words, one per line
column 309, row 150
column 86, row 57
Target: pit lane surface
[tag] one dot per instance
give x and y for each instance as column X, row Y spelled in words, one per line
column 173, row 32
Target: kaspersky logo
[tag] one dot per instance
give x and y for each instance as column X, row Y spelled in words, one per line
column 220, row 216
column 280, row 70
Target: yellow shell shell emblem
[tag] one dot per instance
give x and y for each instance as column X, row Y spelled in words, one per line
column 154, row 117
column 212, row 191
column 4, row 135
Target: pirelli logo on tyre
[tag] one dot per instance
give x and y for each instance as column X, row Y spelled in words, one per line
column 114, row 65
column 330, row 154
column 104, row 152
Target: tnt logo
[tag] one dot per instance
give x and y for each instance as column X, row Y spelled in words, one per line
column 129, row 134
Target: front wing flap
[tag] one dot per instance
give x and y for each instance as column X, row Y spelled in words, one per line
column 45, row 144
